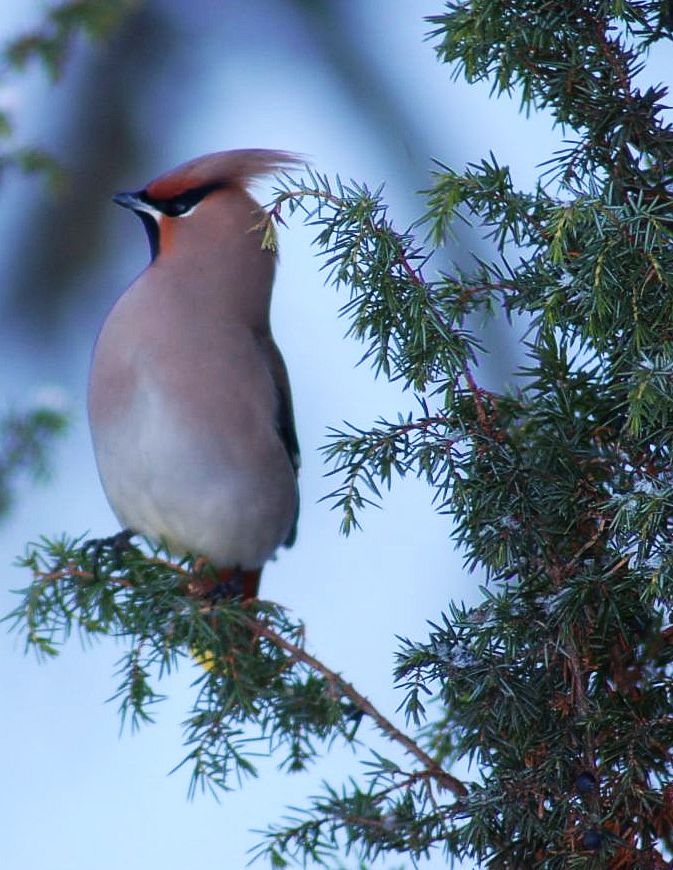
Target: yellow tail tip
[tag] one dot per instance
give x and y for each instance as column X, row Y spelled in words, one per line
column 206, row 659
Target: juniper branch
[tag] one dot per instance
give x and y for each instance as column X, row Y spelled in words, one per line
column 257, row 671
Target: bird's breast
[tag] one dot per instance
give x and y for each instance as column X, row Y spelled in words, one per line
column 185, row 437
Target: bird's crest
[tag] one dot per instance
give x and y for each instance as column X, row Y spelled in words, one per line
column 223, row 168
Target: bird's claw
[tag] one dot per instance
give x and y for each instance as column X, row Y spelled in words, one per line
column 117, row 544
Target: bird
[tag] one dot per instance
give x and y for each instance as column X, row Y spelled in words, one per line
column 189, row 399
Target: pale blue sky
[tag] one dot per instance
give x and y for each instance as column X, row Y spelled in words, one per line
column 75, row 795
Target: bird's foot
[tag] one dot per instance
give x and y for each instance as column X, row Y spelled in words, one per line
column 117, row 544
column 231, row 583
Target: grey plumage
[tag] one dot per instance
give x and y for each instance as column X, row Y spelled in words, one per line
column 189, row 399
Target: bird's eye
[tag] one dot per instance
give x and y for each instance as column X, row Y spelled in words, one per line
column 176, row 207
column 184, row 202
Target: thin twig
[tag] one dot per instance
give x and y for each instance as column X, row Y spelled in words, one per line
column 299, row 654
column 572, row 564
column 345, row 688
column 477, row 396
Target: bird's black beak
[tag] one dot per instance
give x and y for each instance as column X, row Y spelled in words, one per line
column 131, row 200
column 138, row 202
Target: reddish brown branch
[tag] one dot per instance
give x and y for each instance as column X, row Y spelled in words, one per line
column 345, row 688
column 483, row 416
column 572, row 564
column 298, row 654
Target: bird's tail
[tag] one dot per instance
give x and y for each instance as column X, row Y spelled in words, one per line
column 227, row 583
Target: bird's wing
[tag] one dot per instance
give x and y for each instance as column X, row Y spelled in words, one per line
column 285, row 416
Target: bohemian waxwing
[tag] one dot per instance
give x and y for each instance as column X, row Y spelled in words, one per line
column 189, row 398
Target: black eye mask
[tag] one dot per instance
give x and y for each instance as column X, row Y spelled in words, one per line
column 183, row 202
column 173, row 207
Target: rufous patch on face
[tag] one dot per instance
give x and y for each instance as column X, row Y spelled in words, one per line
column 166, row 233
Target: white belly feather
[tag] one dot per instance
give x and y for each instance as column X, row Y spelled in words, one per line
column 164, row 482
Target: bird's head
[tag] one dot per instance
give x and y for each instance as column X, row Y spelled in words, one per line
column 195, row 198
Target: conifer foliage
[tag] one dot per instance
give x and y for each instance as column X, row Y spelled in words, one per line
column 557, row 684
